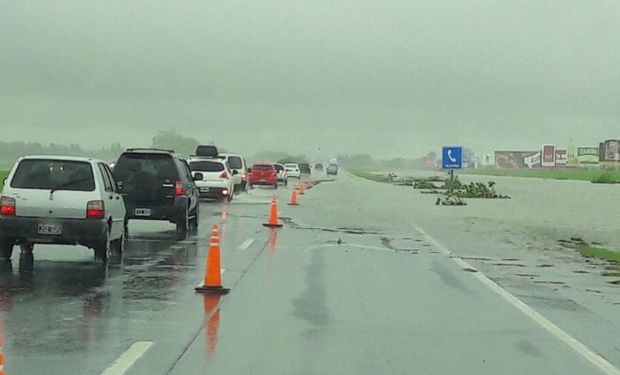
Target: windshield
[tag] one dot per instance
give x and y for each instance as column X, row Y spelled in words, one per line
column 235, row 162
column 262, row 167
column 145, row 169
column 54, row 175
column 206, row 166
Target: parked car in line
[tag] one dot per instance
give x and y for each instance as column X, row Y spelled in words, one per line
column 263, row 174
column 318, row 167
column 332, row 169
column 282, row 175
column 217, row 178
column 292, row 170
column 237, row 164
column 158, row 185
column 304, row 168
column 61, row 200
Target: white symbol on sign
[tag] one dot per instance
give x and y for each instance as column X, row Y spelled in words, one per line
column 452, row 158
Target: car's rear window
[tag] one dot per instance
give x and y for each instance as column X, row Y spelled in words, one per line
column 54, row 174
column 278, row 167
column 235, row 162
column 206, row 166
column 262, row 167
column 146, row 167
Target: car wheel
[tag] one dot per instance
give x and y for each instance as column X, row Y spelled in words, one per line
column 6, row 249
column 126, row 229
column 182, row 226
column 193, row 223
column 285, row 182
column 102, row 248
column 275, row 186
column 117, row 247
column 26, row 258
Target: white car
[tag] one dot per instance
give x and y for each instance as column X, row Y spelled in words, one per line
column 292, row 170
column 61, row 200
column 217, row 178
column 237, row 164
column 282, row 174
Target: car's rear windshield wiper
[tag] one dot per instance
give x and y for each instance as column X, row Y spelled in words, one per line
column 68, row 183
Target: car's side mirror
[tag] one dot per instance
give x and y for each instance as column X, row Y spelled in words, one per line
column 198, row 176
column 249, row 170
column 235, row 172
column 119, row 185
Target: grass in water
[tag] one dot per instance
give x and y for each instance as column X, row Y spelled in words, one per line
column 599, row 253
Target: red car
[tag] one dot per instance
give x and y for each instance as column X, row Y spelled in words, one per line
column 263, row 174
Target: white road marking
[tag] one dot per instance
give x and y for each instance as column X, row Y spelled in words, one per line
column 598, row 361
column 246, row 244
column 127, row 359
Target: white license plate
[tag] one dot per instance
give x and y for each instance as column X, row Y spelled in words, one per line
column 204, row 190
column 50, row 229
column 142, row 212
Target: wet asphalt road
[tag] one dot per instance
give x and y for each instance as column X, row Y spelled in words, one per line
column 348, row 286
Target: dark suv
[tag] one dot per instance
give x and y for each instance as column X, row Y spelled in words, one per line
column 158, row 185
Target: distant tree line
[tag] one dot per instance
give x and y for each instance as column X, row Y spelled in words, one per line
column 10, row 151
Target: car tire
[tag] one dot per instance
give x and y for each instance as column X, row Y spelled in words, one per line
column 275, row 187
column 117, row 247
column 126, row 229
column 285, row 182
column 102, row 248
column 182, row 226
column 193, row 223
column 6, row 249
column 26, row 257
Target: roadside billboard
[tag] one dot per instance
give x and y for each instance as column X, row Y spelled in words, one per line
column 548, row 156
column 587, row 155
column 561, row 158
column 517, row 159
column 611, row 150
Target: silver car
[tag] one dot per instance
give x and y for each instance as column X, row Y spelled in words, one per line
column 61, row 200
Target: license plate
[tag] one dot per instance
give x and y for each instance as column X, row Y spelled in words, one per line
column 50, row 229
column 142, row 212
column 204, row 190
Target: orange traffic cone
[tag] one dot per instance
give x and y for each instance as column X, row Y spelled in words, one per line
column 212, row 282
column 1, row 352
column 310, row 184
column 273, row 215
column 301, row 188
column 293, row 198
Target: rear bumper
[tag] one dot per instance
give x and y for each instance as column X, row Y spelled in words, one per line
column 74, row 231
column 264, row 182
column 214, row 193
column 170, row 212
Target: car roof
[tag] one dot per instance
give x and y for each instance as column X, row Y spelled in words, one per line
column 263, row 163
column 62, row 157
column 280, row 164
column 292, row 164
column 147, row 150
column 213, row 160
column 229, row 155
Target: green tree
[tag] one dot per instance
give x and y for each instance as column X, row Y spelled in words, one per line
column 171, row 140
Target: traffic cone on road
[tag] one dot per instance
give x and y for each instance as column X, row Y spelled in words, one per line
column 301, row 188
column 273, row 215
column 1, row 352
column 293, row 198
column 212, row 281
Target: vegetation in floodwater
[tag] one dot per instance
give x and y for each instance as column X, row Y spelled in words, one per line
column 576, row 174
column 3, row 175
column 606, row 178
column 599, row 253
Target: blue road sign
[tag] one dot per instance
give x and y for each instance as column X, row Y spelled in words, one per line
column 452, row 158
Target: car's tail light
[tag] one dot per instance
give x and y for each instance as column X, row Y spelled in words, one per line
column 225, row 192
column 95, row 210
column 179, row 190
column 7, row 206
column 224, row 175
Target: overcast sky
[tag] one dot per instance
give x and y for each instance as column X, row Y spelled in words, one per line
column 389, row 77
